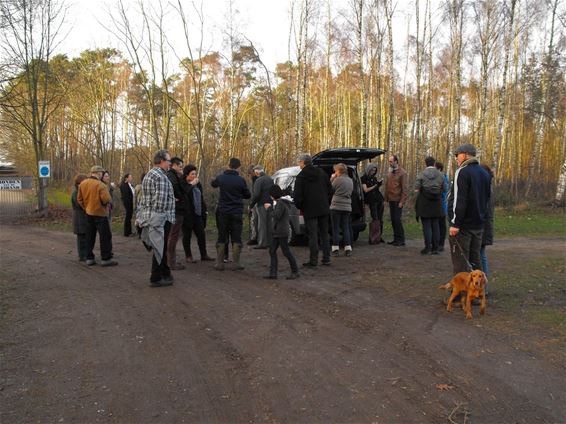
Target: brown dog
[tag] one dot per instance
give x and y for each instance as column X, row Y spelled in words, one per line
column 469, row 284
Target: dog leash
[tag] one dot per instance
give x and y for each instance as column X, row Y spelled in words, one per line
column 470, row 267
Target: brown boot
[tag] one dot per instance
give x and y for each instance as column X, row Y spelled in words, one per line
column 236, row 251
column 219, row 265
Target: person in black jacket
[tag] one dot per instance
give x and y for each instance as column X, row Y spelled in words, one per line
column 312, row 196
column 175, row 175
column 468, row 208
column 127, row 192
column 195, row 214
column 79, row 219
column 279, row 215
column 229, row 220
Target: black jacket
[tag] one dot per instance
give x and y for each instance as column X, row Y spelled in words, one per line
column 188, row 190
column 261, row 189
column 180, row 196
column 312, row 192
column 233, row 189
column 468, row 201
column 127, row 196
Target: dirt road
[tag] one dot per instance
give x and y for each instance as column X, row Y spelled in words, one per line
column 91, row 344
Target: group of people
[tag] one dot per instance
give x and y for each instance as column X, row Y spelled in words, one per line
column 169, row 204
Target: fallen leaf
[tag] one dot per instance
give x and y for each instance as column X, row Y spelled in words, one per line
column 443, row 387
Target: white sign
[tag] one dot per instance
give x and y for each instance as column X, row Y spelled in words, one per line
column 44, row 169
column 10, row 184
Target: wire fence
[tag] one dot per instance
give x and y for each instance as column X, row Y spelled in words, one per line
column 17, row 196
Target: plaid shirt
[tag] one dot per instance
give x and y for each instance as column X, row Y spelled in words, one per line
column 156, row 197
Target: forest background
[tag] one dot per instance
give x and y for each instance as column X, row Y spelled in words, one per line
column 488, row 72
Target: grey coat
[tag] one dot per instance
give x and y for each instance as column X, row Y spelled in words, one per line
column 425, row 206
column 342, row 198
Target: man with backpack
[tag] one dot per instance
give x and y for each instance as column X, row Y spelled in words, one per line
column 429, row 186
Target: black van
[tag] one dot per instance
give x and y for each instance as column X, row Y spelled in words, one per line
column 351, row 157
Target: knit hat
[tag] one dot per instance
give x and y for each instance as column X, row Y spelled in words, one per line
column 466, row 148
column 97, row 168
column 234, row 163
column 276, row 192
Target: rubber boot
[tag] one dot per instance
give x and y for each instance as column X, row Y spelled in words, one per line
column 219, row 265
column 236, row 251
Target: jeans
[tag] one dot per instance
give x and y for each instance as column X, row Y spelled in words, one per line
column 484, row 265
column 229, row 226
column 431, row 233
column 195, row 224
column 442, row 230
column 173, row 238
column 315, row 227
column 101, row 225
column 398, row 231
column 464, row 248
column 160, row 270
column 275, row 243
column 341, row 220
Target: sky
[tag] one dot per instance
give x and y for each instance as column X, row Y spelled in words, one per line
column 264, row 22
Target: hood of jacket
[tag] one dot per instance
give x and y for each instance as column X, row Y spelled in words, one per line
column 430, row 173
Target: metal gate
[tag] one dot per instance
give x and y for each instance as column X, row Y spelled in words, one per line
column 16, row 196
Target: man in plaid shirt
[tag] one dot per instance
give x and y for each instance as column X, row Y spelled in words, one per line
column 156, row 214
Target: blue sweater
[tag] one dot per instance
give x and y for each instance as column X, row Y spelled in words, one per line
column 233, row 189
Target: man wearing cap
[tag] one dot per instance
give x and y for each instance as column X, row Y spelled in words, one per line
column 259, row 198
column 93, row 196
column 156, row 215
column 233, row 189
column 468, row 202
column 312, row 196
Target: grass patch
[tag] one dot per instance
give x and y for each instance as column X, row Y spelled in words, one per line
column 59, row 197
column 535, row 291
column 539, row 222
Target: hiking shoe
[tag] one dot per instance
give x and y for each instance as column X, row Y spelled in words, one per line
column 434, row 252
column 251, row 242
column 161, row 283
column 348, row 253
column 207, row 258
column 326, row 263
column 399, row 243
column 270, row 277
column 425, row 251
column 108, row 262
column 336, row 253
column 310, row 264
column 292, row 276
column 90, row 262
